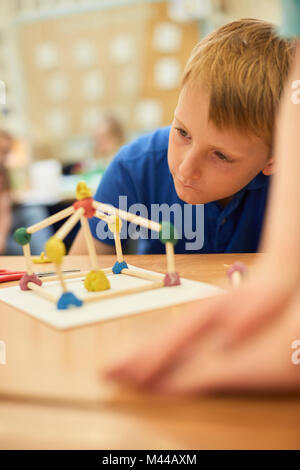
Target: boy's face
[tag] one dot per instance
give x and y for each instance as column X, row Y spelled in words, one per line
column 208, row 164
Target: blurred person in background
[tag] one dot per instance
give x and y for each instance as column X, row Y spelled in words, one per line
column 12, row 215
column 108, row 138
column 6, row 143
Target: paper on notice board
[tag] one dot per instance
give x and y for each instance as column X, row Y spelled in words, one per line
column 84, row 54
column 148, row 114
column 122, row 48
column 93, row 86
column 167, row 73
column 167, row 38
column 46, row 56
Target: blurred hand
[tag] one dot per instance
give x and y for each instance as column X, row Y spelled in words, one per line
column 261, row 363
column 227, row 320
column 2, row 245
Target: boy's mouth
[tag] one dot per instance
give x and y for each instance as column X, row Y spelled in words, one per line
column 187, row 184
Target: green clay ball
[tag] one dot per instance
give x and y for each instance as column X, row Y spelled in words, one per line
column 21, row 236
column 168, row 233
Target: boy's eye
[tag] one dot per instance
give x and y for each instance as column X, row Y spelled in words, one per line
column 222, row 157
column 182, row 132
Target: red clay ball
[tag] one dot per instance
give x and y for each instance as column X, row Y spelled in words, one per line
column 87, row 205
column 171, row 279
column 29, row 278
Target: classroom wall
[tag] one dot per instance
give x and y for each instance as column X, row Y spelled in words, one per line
column 81, row 65
column 130, row 56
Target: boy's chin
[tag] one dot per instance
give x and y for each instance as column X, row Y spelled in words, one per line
column 193, row 198
column 193, row 201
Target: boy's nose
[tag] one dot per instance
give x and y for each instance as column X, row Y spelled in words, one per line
column 190, row 167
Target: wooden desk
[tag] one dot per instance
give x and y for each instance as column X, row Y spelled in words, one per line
column 52, row 394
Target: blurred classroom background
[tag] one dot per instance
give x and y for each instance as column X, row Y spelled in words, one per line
column 79, row 78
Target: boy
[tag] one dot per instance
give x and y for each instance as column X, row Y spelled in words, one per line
column 218, row 151
column 6, row 143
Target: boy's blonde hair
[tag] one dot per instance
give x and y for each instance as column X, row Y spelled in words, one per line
column 243, row 65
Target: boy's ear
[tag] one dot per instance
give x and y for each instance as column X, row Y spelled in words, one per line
column 269, row 169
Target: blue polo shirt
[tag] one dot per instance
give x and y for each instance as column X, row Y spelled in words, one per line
column 140, row 175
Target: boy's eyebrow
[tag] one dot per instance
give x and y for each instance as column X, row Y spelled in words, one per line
column 229, row 153
column 221, row 149
column 179, row 122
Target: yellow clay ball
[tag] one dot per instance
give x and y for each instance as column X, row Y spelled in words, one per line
column 55, row 250
column 83, row 191
column 96, row 281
